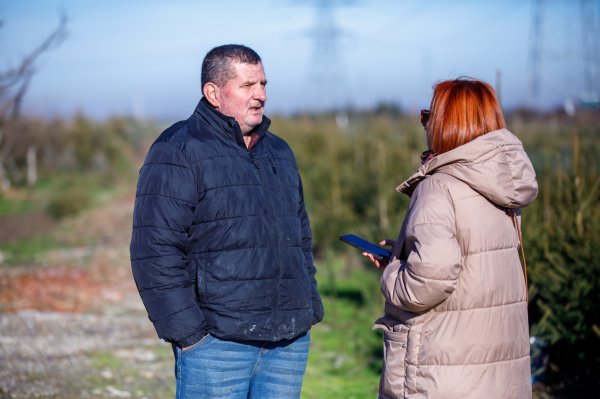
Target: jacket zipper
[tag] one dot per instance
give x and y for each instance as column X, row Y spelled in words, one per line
column 276, row 235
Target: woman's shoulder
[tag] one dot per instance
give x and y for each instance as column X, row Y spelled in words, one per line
column 432, row 199
column 443, row 183
column 437, row 183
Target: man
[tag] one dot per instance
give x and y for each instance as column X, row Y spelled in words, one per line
column 221, row 246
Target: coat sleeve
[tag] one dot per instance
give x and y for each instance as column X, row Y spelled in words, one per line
column 164, row 204
column 317, row 304
column 429, row 273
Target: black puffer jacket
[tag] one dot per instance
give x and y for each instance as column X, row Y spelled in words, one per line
column 221, row 240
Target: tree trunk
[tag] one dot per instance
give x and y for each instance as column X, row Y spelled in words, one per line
column 4, row 182
column 31, row 165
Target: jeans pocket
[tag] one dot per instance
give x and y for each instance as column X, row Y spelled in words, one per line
column 197, row 345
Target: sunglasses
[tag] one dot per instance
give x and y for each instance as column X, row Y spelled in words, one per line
column 424, row 117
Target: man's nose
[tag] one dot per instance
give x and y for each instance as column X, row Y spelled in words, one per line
column 260, row 93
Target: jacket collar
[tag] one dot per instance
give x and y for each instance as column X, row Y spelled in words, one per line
column 225, row 124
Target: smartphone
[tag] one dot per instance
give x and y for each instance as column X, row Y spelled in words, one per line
column 379, row 253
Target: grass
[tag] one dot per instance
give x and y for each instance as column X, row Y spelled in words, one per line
column 147, row 379
column 69, row 194
column 345, row 355
column 86, row 189
column 62, row 195
column 27, row 251
column 15, row 206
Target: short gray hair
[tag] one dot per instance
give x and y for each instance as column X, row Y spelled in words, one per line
column 217, row 64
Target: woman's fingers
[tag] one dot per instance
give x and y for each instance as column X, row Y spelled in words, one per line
column 372, row 258
column 388, row 241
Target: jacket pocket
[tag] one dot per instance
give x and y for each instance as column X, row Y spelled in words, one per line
column 394, row 367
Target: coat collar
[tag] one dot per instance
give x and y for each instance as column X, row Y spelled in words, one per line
column 226, row 124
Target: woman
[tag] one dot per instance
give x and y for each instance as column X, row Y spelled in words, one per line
column 455, row 323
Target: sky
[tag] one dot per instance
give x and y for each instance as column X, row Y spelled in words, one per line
column 143, row 57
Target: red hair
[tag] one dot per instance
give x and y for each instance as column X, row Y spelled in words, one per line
column 462, row 110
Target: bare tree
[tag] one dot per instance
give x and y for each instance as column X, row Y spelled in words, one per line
column 13, row 86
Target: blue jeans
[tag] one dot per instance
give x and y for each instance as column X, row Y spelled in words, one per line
column 213, row 368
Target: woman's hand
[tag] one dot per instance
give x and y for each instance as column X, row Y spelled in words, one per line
column 380, row 265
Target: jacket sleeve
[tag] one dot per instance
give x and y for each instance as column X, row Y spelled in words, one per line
column 317, row 304
column 164, row 204
column 429, row 273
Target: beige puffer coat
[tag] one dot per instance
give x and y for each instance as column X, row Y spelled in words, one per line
column 455, row 323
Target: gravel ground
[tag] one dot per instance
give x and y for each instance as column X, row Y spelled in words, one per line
column 46, row 354
column 65, row 355
column 73, row 326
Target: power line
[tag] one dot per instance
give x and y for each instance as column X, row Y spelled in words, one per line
column 535, row 53
column 327, row 85
column 591, row 53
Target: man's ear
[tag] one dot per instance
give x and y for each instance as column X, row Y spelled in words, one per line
column 211, row 93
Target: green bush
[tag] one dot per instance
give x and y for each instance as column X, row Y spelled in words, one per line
column 349, row 175
column 562, row 238
column 69, row 202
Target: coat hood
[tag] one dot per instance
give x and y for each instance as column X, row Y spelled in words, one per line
column 495, row 165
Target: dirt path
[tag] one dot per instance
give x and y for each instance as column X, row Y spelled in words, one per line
column 73, row 326
column 17, row 227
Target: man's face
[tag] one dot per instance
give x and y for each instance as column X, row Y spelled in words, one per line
column 244, row 96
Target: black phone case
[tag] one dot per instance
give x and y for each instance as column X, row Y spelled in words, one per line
column 379, row 253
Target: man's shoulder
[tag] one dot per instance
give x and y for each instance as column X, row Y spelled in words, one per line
column 175, row 132
column 277, row 143
column 172, row 143
column 182, row 134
